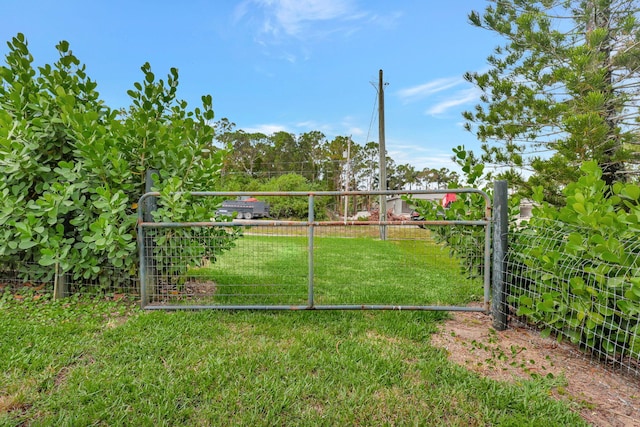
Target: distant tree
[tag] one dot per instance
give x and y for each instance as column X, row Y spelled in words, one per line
column 335, row 161
column 246, row 152
column 282, row 156
column 365, row 166
column 424, row 178
column 292, row 207
column 395, row 179
column 408, row 175
column 562, row 90
column 440, row 177
column 310, row 146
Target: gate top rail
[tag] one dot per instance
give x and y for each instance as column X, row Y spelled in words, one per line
column 485, row 196
column 275, row 223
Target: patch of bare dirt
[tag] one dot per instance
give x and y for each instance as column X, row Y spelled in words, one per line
column 189, row 289
column 602, row 396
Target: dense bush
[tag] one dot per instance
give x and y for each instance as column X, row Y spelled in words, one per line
column 466, row 243
column 73, row 169
column 575, row 270
column 581, row 263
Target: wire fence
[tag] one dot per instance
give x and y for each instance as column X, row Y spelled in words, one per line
column 302, row 264
column 27, row 278
column 577, row 285
column 269, row 266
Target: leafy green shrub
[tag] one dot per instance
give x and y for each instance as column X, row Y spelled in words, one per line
column 73, row 169
column 575, row 270
column 581, row 265
column 177, row 249
column 467, row 242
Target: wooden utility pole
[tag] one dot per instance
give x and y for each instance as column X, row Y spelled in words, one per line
column 383, row 159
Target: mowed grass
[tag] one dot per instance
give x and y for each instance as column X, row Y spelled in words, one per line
column 274, row 270
column 77, row 362
column 81, row 362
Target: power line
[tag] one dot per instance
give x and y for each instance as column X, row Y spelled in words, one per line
column 373, row 112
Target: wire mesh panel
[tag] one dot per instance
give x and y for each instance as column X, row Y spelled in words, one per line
column 577, row 285
column 264, row 265
column 282, row 264
column 110, row 282
column 238, row 265
column 353, row 266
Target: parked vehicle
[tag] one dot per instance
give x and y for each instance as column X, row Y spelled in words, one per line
column 245, row 209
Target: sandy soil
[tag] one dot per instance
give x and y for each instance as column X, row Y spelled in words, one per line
column 602, row 396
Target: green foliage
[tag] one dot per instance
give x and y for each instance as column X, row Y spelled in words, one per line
column 573, row 269
column 73, row 169
column 330, row 164
column 466, row 243
column 582, row 260
column 564, row 82
column 172, row 244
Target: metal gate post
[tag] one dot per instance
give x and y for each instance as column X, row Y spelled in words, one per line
column 500, row 241
column 147, row 265
column 144, row 298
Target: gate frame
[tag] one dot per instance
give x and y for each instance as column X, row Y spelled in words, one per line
column 148, row 199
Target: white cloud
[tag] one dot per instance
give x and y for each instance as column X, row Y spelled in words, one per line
column 347, row 127
column 308, row 124
column 288, row 29
column 462, row 97
column 420, row 155
column 307, row 19
column 387, row 21
column 298, row 128
column 427, row 89
column 420, row 158
column 292, row 15
column 356, row 131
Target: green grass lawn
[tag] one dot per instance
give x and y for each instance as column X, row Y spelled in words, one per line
column 273, row 270
column 80, row 362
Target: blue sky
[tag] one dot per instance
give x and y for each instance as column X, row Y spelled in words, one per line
column 292, row 65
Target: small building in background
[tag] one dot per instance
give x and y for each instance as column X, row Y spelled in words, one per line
column 399, row 207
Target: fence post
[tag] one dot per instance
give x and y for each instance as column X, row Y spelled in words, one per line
column 147, row 264
column 500, row 241
column 150, row 202
column 60, row 288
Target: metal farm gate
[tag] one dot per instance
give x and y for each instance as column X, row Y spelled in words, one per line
column 354, row 263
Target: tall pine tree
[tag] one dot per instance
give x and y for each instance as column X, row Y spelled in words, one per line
column 563, row 89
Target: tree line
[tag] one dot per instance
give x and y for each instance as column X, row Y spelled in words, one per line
column 330, row 164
